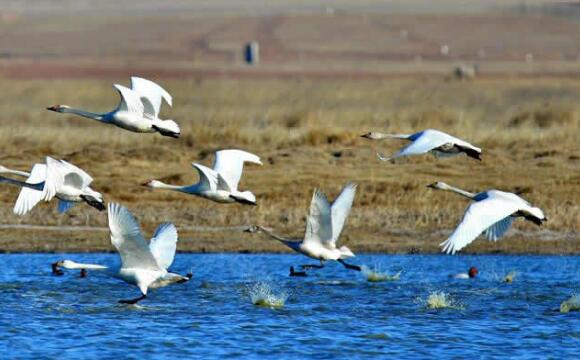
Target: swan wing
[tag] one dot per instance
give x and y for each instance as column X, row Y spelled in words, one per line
column 163, row 244
column 341, row 208
column 478, row 217
column 126, row 237
column 28, row 198
column 130, row 100
column 76, row 176
column 497, row 230
column 230, row 164
column 64, row 206
column 423, row 142
column 318, row 222
column 55, row 171
column 151, row 95
column 208, row 178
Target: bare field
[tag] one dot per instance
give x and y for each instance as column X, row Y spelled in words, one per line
column 308, row 134
column 329, row 72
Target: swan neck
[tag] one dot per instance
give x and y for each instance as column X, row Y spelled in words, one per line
column 392, row 136
column 162, row 185
column 459, row 191
column 39, row 186
column 83, row 113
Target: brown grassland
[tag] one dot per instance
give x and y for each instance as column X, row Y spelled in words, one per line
column 304, row 123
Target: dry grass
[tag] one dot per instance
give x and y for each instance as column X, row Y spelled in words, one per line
column 308, row 134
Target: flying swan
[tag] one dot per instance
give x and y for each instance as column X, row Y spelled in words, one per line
column 437, row 142
column 138, row 110
column 219, row 184
column 323, row 227
column 141, row 265
column 492, row 213
column 57, row 178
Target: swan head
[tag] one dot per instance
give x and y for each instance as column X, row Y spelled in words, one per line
column 372, row 135
column 252, row 229
column 58, row 108
column 472, row 272
column 438, row 185
column 152, row 183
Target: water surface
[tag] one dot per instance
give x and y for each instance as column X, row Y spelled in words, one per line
column 332, row 313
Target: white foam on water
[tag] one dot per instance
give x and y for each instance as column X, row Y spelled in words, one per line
column 262, row 294
column 572, row 304
column 376, row 275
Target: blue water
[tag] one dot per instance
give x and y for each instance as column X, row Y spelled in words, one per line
column 332, row 313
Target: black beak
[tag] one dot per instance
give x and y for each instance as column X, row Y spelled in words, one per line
column 51, row 108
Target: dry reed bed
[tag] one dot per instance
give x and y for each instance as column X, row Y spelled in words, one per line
column 308, row 134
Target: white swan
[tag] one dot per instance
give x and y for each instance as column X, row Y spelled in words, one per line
column 323, row 227
column 138, row 110
column 491, row 212
column 56, row 178
column 437, row 142
column 219, row 184
column 142, row 265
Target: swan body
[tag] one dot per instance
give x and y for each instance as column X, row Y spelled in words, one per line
column 437, row 142
column 491, row 212
column 324, row 225
column 220, row 183
column 142, row 265
column 138, row 110
column 57, row 178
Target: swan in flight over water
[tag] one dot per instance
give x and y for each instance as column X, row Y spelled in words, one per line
column 323, row 227
column 219, row 184
column 138, row 110
column 492, row 213
column 142, row 265
column 57, row 178
column 437, row 142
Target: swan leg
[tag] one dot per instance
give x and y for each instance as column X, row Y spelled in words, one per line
column 133, row 301
column 84, row 273
column 166, row 133
column 186, row 278
column 297, row 273
column 349, row 266
column 313, row 266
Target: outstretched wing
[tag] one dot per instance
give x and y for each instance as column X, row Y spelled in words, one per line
column 423, row 142
column 28, row 198
column 64, row 206
column 318, row 222
column 478, row 217
column 230, row 164
column 163, row 244
column 76, row 176
column 130, row 100
column 497, row 230
column 55, row 172
column 208, row 178
column 340, row 209
column 151, row 95
column 126, row 237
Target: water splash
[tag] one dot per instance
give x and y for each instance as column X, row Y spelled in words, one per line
column 440, row 300
column 262, row 294
column 572, row 304
column 376, row 275
column 510, row 277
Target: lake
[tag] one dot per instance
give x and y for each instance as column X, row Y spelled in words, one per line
column 332, row 313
